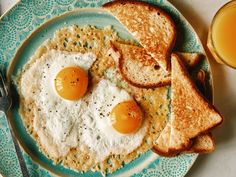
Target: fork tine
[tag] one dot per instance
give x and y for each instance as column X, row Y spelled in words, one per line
column 5, row 104
column 3, row 88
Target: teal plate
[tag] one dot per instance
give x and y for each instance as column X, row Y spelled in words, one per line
column 24, row 28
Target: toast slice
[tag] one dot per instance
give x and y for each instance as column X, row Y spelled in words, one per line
column 201, row 144
column 191, row 113
column 138, row 68
column 151, row 26
column 161, row 145
column 141, row 70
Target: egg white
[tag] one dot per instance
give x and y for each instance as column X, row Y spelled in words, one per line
column 56, row 118
column 98, row 134
column 86, row 123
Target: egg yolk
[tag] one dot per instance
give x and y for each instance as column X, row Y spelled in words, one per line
column 126, row 117
column 71, row 83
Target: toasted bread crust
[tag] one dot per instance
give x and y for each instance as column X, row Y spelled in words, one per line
column 187, row 145
column 163, row 58
column 205, row 101
column 198, row 149
column 160, row 84
column 210, row 105
column 192, row 148
column 160, row 152
column 162, row 144
column 171, row 152
column 121, row 61
column 203, row 143
column 129, row 57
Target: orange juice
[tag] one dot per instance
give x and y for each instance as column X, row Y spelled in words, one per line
column 222, row 42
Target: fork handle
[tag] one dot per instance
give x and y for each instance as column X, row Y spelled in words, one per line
column 20, row 156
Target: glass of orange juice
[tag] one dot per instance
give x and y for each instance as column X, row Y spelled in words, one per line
column 222, row 35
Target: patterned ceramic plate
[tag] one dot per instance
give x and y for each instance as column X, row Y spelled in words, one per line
column 24, row 28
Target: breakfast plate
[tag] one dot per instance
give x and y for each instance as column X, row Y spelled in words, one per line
column 25, row 27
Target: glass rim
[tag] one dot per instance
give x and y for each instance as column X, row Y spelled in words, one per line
column 211, row 38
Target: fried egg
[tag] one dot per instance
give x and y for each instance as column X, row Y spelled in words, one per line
column 59, row 81
column 104, row 121
column 99, row 133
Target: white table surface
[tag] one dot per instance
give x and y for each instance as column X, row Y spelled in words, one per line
column 222, row 162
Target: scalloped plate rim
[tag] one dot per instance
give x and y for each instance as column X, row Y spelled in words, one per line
column 187, row 23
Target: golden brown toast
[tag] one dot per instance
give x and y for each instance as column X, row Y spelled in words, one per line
column 191, row 113
column 189, row 118
column 139, row 69
column 201, row 144
column 151, row 26
column 161, row 145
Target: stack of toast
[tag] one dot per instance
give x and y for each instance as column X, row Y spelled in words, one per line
column 155, row 65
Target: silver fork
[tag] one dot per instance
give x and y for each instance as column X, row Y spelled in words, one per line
column 5, row 104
